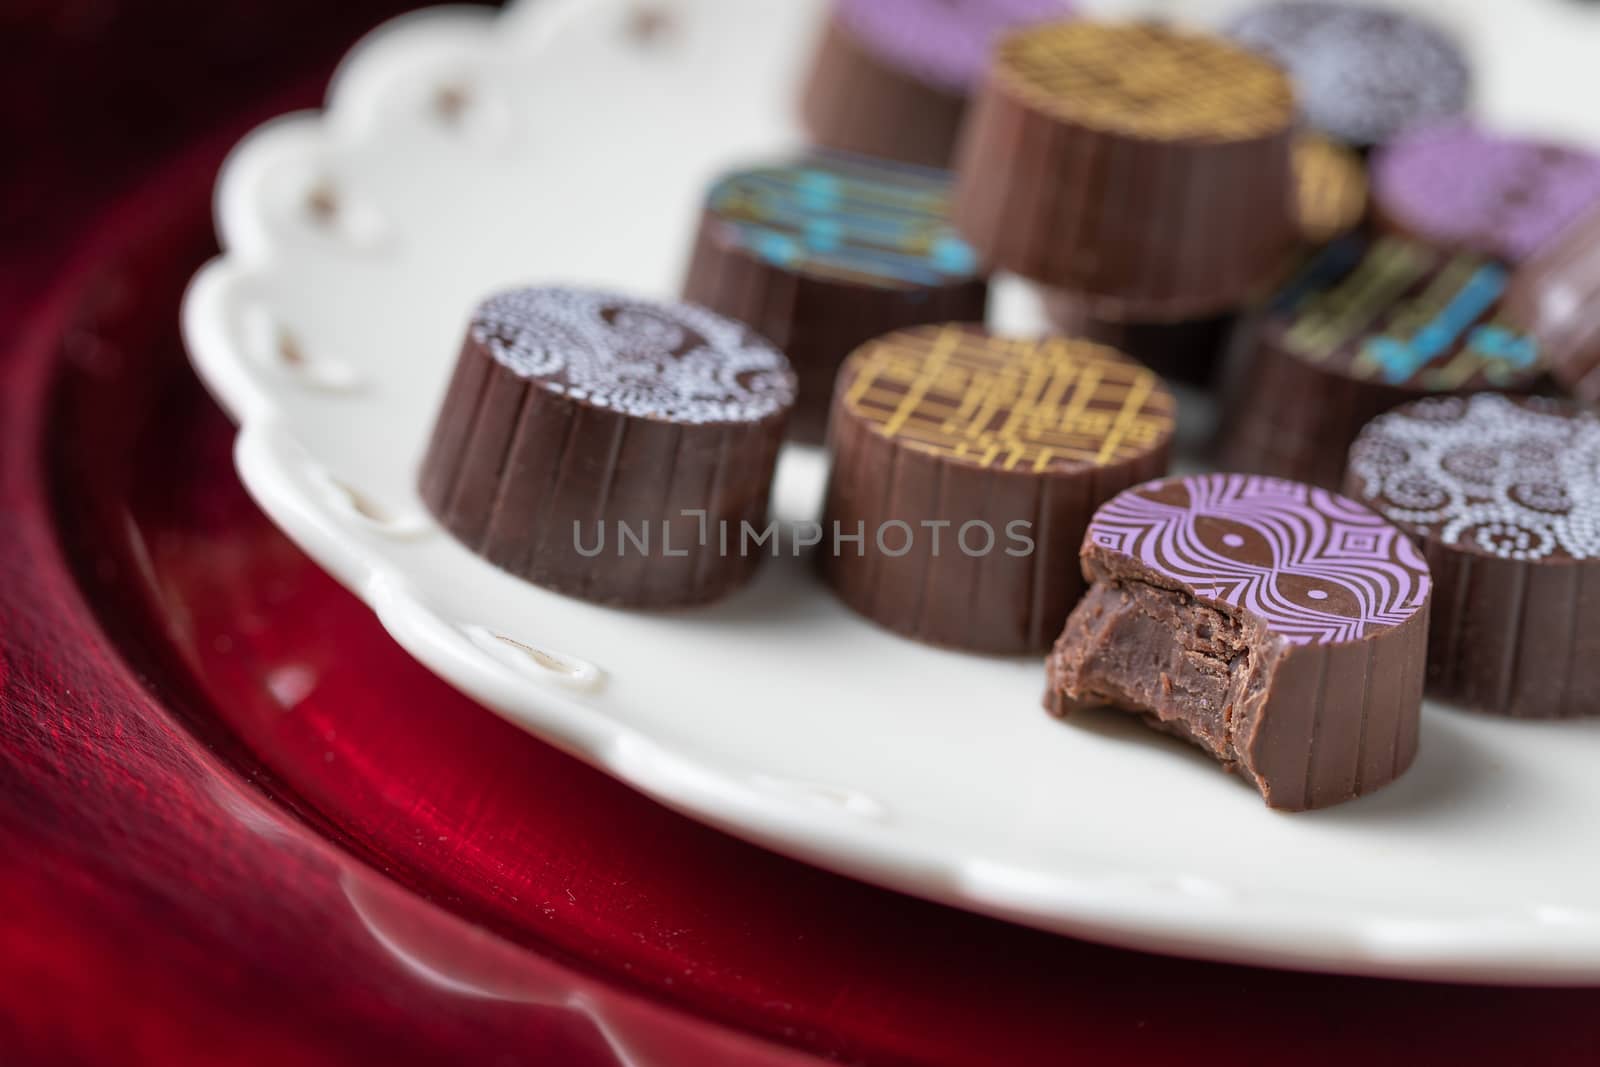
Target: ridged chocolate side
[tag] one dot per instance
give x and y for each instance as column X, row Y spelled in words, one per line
column 854, row 102
column 1340, row 720
column 994, row 603
column 1331, row 191
column 1286, row 418
column 1187, row 350
column 1512, row 637
column 815, row 321
column 528, row 479
column 1180, row 228
column 1309, row 726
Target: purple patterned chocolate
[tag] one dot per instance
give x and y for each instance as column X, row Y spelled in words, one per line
column 943, row 43
column 1314, row 567
column 1460, row 186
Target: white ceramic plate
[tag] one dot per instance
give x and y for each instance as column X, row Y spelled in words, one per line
column 462, row 152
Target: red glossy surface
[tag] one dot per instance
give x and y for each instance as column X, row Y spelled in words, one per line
column 166, row 898
column 238, row 825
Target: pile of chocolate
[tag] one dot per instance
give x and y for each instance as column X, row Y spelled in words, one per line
column 1294, row 216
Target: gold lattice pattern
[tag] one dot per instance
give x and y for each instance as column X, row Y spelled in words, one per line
column 1145, row 80
column 1010, row 404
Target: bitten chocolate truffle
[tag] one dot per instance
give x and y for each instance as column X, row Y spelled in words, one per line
column 1277, row 626
column 1363, row 74
column 1134, row 163
column 587, row 440
column 1332, row 199
column 1503, row 495
column 968, row 465
column 1458, row 186
column 1555, row 298
column 825, row 253
column 1366, row 326
column 892, row 77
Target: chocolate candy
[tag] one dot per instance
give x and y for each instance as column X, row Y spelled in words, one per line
column 1555, row 298
column 1367, row 325
column 1459, row 186
column 1503, row 495
column 1279, row 627
column 968, row 465
column 1363, row 74
column 1332, row 197
column 892, row 77
column 596, row 444
column 1131, row 163
column 825, row 253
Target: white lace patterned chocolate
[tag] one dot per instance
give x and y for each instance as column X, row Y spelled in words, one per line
column 1515, row 479
column 639, row 357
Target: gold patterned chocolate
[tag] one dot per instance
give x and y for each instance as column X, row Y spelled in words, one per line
column 1146, row 80
column 1008, row 404
column 1331, row 188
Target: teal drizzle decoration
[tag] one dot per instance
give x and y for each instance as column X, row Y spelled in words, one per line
column 1400, row 360
column 849, row 216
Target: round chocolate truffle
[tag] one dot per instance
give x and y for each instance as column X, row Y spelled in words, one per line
column 1366, row 326
column 588, row 442
column 892, row 77
column 1458, row 186
column 1363, row 74
column 967, row 466
column 1555, row 298
column 1332, row 198
column 1503, row 495
column 1279, row 627
column 1133, row 163
column 825, row 253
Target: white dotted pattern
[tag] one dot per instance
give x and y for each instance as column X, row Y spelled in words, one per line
column 1514, row 479
column 677, row 362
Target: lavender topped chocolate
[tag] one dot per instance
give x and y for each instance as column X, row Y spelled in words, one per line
column 892, row 77
column 1278, row 626
column 945, row 43
column 1459, row 186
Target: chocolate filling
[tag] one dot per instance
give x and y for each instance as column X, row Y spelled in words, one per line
column 1191, row 669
